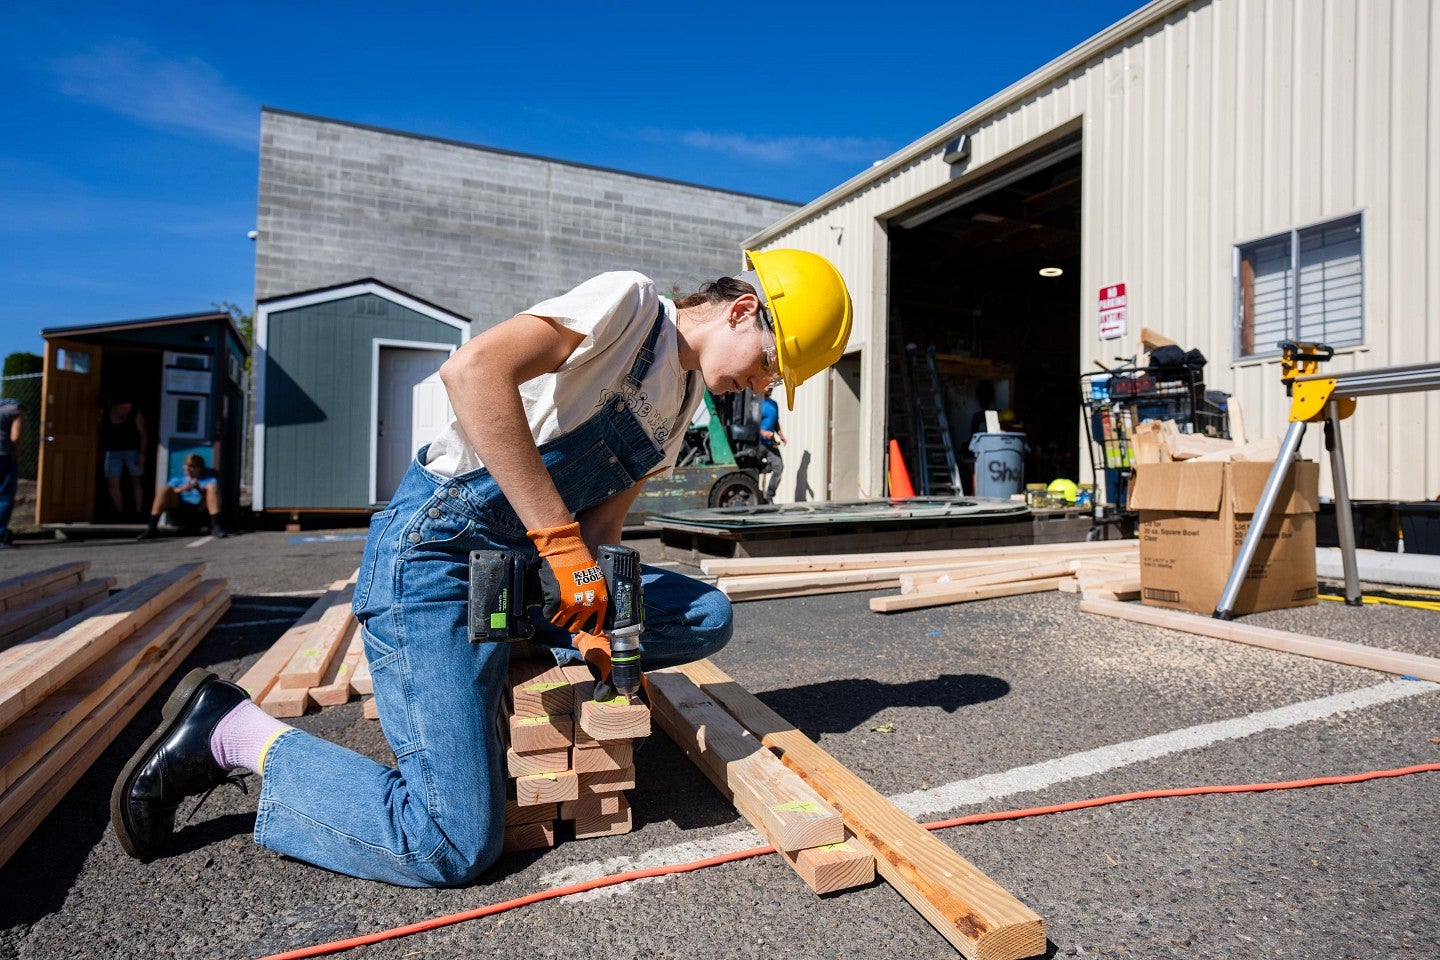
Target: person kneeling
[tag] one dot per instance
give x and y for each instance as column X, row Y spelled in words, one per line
column 198, row 488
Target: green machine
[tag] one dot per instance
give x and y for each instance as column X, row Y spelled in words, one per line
column 719, row 465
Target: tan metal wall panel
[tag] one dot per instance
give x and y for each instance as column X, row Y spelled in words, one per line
column 1206, row 125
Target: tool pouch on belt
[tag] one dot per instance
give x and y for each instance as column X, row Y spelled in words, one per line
column 571, row 580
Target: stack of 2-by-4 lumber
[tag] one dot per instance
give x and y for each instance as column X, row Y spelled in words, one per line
column 31, row 602
column 319, row 660
column 801, row 826
column 976, row 915
column 926, row 578
column 1053, row 566
column 67, row 691
column 569, row 758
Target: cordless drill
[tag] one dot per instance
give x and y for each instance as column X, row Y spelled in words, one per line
column 505, row 588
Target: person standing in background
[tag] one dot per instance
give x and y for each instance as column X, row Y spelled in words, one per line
column 124, row 440
column 12, row 423
column 771, row 438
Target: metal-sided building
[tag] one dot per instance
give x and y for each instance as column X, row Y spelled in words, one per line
column 475, row 230
column 1248, row 170
column 336, row 372
column 452, row 234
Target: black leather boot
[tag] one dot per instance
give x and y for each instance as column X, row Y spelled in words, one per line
column 173, row 763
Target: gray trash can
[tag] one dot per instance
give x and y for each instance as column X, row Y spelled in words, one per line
column 999, row 464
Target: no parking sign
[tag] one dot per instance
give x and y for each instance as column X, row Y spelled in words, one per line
column 1112, row 311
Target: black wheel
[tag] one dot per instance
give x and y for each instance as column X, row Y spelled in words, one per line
column 735, row 490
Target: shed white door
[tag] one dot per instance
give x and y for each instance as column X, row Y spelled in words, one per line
column 431, row 406
column 398, row 372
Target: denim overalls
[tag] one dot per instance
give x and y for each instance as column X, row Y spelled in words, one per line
column 438, row 818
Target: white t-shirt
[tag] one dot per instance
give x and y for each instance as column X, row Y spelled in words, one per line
column 615, row 312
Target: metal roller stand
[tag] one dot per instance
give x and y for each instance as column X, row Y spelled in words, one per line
column 1345, row 529
column 1314, row 398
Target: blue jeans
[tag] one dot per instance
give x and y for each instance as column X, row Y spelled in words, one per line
column 437, row 817
column 776, row 466
column 9, row 480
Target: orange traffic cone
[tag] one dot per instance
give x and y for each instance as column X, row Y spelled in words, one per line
column 900, row 487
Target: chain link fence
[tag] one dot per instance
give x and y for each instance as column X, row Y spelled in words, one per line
column 25, row 387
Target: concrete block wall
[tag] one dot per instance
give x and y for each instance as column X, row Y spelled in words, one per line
column 481, row 232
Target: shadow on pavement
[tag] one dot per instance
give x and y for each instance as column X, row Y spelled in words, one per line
column 838, row 706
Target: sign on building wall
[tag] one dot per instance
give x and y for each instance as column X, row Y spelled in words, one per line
column 1112, row 311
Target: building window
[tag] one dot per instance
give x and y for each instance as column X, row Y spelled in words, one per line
column 1303, row 285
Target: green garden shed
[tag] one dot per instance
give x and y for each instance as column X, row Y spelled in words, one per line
column 336, row 373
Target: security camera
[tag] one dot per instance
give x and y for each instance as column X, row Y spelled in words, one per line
column 253, row 234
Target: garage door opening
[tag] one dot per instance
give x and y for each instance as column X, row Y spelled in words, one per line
column 989, row 279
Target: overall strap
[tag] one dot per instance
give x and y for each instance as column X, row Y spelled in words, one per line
column 645, row 357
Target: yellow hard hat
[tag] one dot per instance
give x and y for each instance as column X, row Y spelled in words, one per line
column 1064, row 489
column 809, row 307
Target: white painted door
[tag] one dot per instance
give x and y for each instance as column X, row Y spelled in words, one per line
column 400, row 369
column 845, row 429
column 431, row 405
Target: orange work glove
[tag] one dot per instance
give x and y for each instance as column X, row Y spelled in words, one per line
column 573, row 585
column 596, row 651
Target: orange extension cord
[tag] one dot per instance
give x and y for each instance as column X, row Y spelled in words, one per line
column 618, row 878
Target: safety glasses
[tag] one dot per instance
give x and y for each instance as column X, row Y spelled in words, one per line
column 769, row 351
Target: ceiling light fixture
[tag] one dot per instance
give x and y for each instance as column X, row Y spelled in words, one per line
column 1051, row 271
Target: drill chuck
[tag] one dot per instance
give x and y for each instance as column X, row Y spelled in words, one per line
column 625, row 661
column 624, row 615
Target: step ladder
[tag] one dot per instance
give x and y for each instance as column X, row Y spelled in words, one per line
column 900, row 424
column 939, row 472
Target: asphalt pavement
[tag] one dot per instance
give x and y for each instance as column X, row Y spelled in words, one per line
column 996, row 705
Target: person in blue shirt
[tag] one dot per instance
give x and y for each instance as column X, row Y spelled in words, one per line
column 196, row 489
column 12, row 420
column 771, row 438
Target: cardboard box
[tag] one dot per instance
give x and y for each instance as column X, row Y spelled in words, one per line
column 1193, row 518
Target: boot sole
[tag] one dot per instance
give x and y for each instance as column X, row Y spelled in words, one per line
column 175, row 705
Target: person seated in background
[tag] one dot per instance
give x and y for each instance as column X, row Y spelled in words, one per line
column 197, row 489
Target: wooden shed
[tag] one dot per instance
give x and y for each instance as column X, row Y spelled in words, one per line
column 336, row 369
column 184, row 374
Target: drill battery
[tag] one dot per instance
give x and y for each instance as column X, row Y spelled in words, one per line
column 502, row 584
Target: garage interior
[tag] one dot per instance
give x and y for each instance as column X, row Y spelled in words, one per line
column 990, row 278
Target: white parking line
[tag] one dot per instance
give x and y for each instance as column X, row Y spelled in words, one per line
column 200, row 542
column 1037, row 776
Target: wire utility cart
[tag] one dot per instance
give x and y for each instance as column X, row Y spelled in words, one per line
column 1114, row 403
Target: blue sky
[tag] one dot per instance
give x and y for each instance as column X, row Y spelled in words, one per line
column 129, row 160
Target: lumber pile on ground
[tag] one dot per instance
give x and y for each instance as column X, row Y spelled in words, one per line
column 972, row 912
column 318, row 660
column 570, row 759
column 67, row 691
column 935, row 577
column 31, row 602
column 787, row 811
